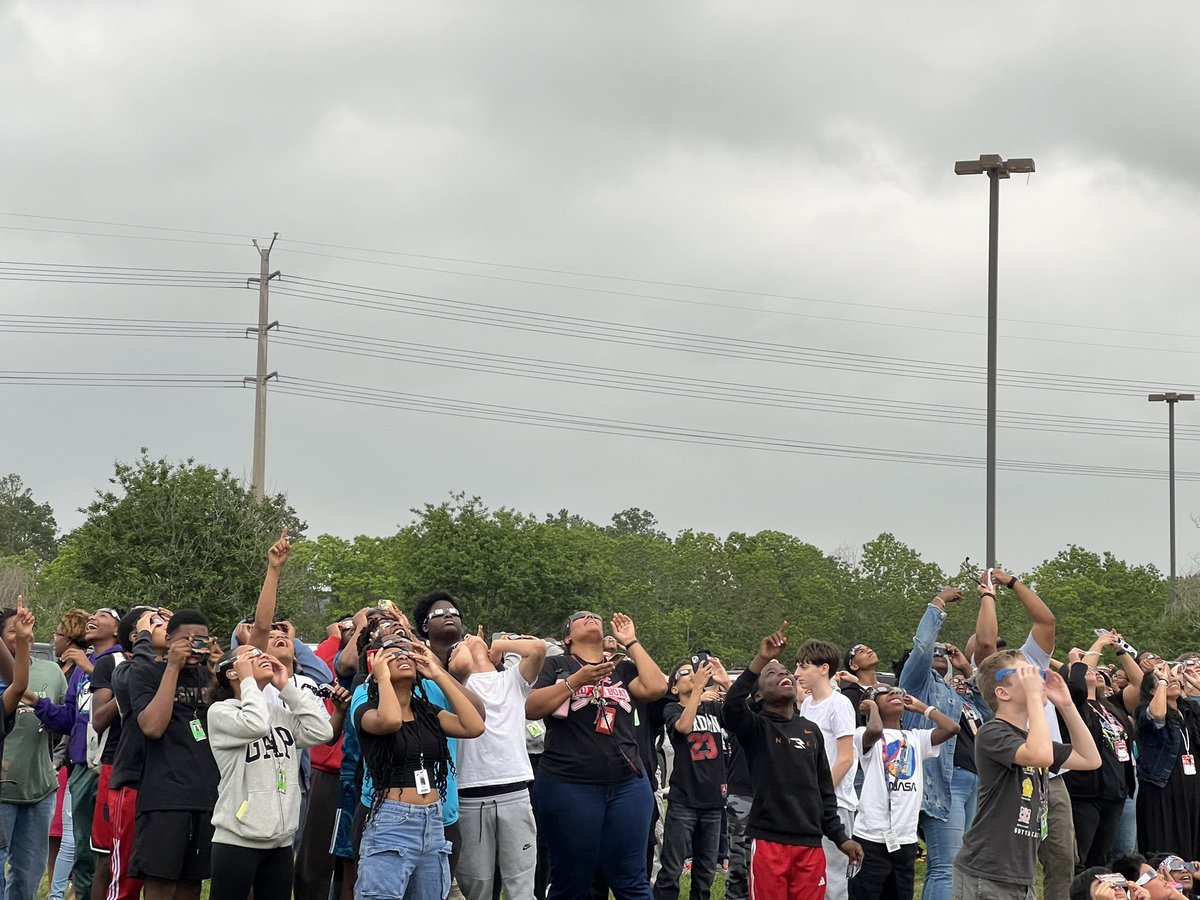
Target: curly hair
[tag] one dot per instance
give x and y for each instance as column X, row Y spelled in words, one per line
column 383, row 754
column 424, row 605
column 73, row 625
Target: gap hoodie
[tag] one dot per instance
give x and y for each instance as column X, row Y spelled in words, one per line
column 257, row 748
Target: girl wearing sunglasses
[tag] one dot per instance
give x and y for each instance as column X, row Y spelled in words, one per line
column 408, row 761
column 257, row 747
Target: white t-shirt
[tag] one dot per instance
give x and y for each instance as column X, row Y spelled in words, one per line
column 1037, row 656
column 498, row 755
column 835, row 717
column 895, row 766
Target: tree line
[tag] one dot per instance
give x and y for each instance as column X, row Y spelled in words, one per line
column 185, row 534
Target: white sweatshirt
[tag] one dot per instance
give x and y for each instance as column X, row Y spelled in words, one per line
column 257, row 747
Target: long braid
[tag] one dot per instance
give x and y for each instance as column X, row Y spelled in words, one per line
column 383, row 754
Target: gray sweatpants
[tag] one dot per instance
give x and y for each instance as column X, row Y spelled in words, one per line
column 499, row 831
column 836, row 885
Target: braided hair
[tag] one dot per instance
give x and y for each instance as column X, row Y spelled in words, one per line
column 382, row 753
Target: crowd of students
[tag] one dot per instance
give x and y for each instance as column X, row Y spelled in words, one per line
column 416, row 758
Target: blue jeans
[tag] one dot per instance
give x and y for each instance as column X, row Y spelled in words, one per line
column 28, row 828
column 590, row 827
column 943, row 840
column 689, row 832
column 404, row 853
column 1127, row 831
column 65, row 861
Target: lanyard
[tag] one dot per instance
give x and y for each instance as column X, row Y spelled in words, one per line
column 1187, row 739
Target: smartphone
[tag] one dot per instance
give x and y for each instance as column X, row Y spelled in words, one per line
column 617, row 657
column 852, row 869
column 371, row 658
column 200, row 644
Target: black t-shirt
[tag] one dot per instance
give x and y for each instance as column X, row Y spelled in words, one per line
column 739, row 773
column 580, row 746
column 969, row 724
column 179, row 771
column 648, row 731
column 699, row 778
column 410, row 744
column 127, row 761
column 1002, row 842
column 102, row 676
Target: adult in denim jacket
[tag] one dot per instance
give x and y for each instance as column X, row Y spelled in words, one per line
column 1168, row 734
column 950, row 792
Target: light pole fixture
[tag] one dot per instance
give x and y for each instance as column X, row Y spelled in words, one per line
column 1171, row 398
column 995, row 168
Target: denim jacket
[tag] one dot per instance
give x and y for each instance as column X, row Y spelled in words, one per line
column 920, row 680
column 1159, row 746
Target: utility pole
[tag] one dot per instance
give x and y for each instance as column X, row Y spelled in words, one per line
column 995, row 168
column 1171, row 398
column 261, row 376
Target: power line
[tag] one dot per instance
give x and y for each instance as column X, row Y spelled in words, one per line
column 572, row 273
column 666, row 385
column 376, row 397
column 713, row 345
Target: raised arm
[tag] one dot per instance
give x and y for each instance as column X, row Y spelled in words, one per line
column 987, row 626
column 688, row 717
column 918, row 670
column 1044, row 626
column 1038, row 750
column 650, row 683
column 264, row 612
column 462, row 720
column 1085, row 755
column 1158, row 703
column 944, row 727
column 19, row 677
column 532, row 651
column 874, row 728
column 154, row 718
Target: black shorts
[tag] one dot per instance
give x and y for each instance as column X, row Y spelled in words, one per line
column 172, row 845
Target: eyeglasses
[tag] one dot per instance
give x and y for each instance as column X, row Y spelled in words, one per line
column 856, row 648
column 1004, row 673
column 1174, row 864
column 108, row 610
column 442, row 613
column 225, row 664
column 682, row 671
column 883, row 690
column 575, row 617
column 1146, row 877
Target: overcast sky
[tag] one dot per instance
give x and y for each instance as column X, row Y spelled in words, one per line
column 747, row 201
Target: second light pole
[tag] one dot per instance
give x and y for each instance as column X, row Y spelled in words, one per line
column 995, row 168
column 1171, row 398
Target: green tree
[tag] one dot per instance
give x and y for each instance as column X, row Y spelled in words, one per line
column 173, row 534
column 25, row 524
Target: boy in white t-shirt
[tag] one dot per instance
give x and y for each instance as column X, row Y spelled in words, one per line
column 494, row 771
column 816, row 661
column 893, row 764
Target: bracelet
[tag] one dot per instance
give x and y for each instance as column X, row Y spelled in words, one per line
column 629, row 646
column 567, row 682
column 1013, row 582
column 1162, row 682
column 1120, row 652
column 988, row 594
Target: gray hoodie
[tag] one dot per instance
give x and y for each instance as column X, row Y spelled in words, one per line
column 257, row 747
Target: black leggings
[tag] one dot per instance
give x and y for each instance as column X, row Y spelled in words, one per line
column 238, row 870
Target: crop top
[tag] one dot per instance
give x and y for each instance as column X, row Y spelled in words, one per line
column 408, row 745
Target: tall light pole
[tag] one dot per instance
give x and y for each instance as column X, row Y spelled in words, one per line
column 995, row 168
column 1171, row 398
